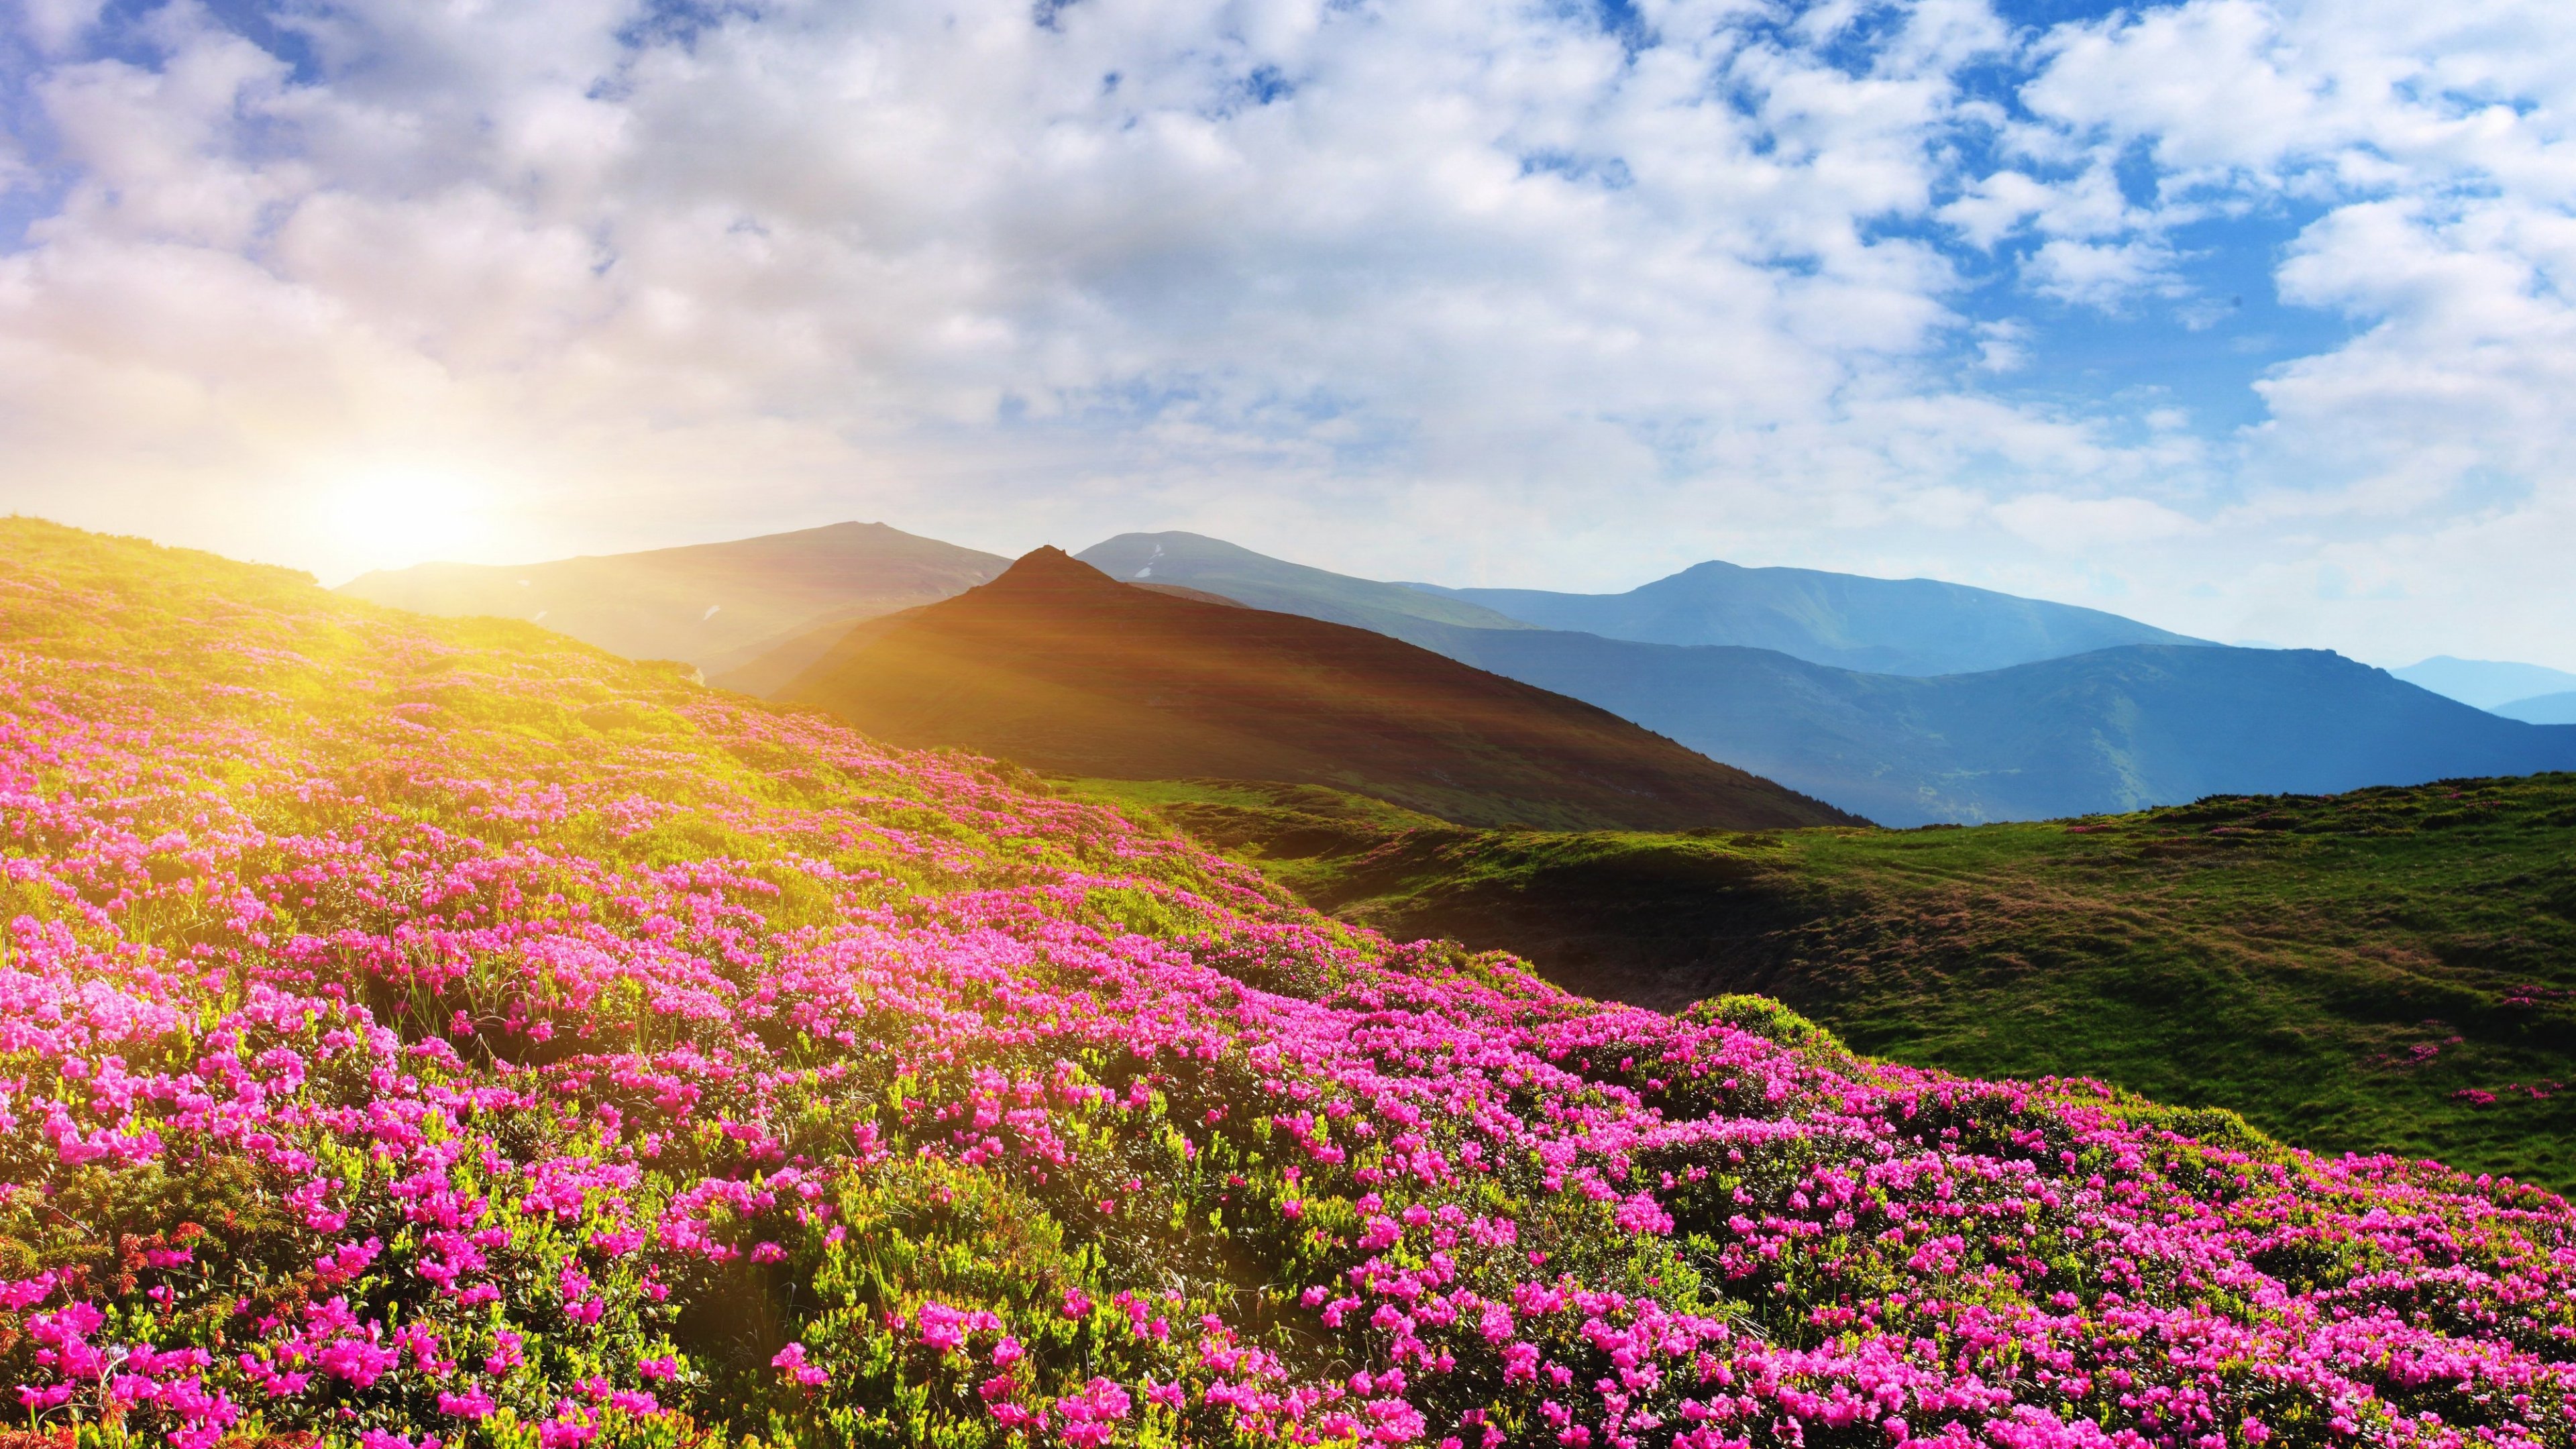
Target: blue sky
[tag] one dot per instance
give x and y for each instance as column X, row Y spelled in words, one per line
column 2254, row 318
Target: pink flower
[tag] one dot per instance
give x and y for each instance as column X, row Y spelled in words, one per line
column 791, row 1360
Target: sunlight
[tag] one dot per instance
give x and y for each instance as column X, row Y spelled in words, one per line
column 399, row 516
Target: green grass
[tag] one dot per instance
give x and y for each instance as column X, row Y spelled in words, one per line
column 2286, row 957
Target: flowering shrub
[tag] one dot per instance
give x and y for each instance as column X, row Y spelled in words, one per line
column 427, row 1033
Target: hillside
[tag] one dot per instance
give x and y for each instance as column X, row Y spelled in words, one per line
column 1059, row 667
column 1877, row 626
column 686, row 982
column 715, row 605
column 2392, row 969
column 2117, row 729
column 432, row 1031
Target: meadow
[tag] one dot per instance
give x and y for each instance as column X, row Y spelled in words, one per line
column 422, row 1033
column 2390, row 969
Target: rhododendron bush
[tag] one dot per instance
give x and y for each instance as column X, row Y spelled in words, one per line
column 427, row 1032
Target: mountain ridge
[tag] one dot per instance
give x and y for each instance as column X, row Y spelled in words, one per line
column 714, row 605
column 1059, row 667
column 1913, row 626
column 2486, row 683
column 2126, row 728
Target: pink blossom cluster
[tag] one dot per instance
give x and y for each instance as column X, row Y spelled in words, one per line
column 429, row 1033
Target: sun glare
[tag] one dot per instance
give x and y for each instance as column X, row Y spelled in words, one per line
column 407, row 516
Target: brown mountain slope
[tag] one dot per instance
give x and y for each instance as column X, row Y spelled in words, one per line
column 1060, row 667
column 716, row 605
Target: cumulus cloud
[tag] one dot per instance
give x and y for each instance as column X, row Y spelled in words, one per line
column 1486, row 288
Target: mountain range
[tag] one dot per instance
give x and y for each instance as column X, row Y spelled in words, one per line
column 2547, row 709
column 1879, row 626
column 1977, row 706
column 2113, row 730
column 1057, row 666
column 2491, row 684
column 2156, row 721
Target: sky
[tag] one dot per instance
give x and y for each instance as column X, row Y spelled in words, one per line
column 2254, row 320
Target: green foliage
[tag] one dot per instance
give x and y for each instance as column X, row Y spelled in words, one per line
column 2291, row 959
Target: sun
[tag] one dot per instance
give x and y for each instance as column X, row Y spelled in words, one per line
column 398, row 516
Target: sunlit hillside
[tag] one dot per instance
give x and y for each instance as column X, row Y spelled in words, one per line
column 420, row 1031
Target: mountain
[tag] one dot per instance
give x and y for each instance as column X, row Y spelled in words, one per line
column 2116, row 729
column 426, row 1029
column 2485, row 683
column 2391, row 970
column 2547, row 709
column 1057, row 666
column 715, row 605
column 1879, row 626
column 1215, row 566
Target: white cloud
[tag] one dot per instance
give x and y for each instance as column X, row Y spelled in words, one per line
column 2089, row 524
column 2102, row 274
column 53, row 25
column 1400, row 288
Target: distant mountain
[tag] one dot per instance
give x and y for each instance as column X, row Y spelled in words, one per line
column 2155, row 721
column 1884, row 626
column 1192, row 561
column 2112, row 730
column 2542, row 709
column 1062, row 668
column 716, row 605
column 2486, row 683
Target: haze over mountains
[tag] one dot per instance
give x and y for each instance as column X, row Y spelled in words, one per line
column 2546, row 709
column 1057, row 666
column 2490, row 684
column 714, row 605
column 2105, row 730
column 2135, row 717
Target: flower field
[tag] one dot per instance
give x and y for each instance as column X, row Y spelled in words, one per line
column 427, row 1032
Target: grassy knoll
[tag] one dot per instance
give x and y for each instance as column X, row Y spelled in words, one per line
column 2349, row 972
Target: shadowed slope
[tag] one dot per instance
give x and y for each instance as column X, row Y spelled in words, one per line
column 1062, row 668
column 716, row 605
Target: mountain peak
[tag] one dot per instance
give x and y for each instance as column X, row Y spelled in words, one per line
column 1063, row 668
column 1052, row 570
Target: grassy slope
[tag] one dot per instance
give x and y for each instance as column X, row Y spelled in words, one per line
column 422, row 1027
column 2285, row 957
